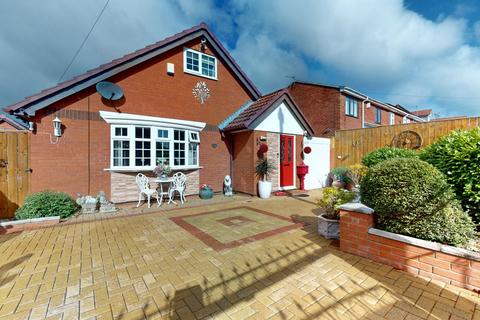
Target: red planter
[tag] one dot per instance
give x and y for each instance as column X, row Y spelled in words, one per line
column 302, row 170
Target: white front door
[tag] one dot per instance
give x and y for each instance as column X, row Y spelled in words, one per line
column 318, row 162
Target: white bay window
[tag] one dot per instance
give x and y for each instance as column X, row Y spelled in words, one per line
column 141, row 142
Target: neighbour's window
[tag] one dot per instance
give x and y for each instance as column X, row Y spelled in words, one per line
column 406, row 120
column 200, row 64
column 392, row 118
column 142, row 147
column 351, row 107
column 378, row 115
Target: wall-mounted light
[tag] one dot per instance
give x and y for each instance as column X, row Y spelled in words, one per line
column 203, row 44
column 31, row 126
column 57, row 127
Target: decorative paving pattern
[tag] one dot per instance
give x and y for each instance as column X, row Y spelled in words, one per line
column 232, row 227
column 147, row 267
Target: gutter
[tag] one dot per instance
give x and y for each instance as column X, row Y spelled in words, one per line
column 364, row 98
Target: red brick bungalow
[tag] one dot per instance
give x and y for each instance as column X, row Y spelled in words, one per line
column 176, row 94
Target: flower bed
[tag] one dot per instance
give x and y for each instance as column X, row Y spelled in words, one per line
column 433, row 260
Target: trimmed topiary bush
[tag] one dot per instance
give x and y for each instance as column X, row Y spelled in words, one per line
column 412, row 197
column 46, row 204
column 457, row 155
column 386, row 153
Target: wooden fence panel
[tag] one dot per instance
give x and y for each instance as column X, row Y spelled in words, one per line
column 14, row 171
column 350, row 146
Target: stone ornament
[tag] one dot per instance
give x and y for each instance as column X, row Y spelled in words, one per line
column 227, row 186
column 201, row 92
column 91, row 204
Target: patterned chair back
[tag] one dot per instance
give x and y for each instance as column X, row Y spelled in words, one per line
column 142, row 182
column 179, row 180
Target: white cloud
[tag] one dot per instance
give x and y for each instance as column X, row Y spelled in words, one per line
column 374, row 45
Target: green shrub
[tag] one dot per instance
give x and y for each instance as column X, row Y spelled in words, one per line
column 386, row 153
column 457, row 155
column 412, row 197
column 332, row 198
column 46, row 204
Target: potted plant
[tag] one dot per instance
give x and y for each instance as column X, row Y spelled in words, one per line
column 328, row 222
column 263, row 169
column 162, row 169
column 355, row 175
column 339, row 177
column 206, row 192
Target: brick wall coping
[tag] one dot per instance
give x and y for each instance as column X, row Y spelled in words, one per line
column 356, row 207
column 454, row 251
column 7, row 223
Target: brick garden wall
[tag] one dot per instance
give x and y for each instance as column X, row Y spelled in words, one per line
column 356, row 237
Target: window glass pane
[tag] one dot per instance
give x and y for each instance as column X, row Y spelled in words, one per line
column 192, row 154
column 162, row 133
column 121, row 132
column 192, row 61
column 289, row 150
column 208, row 66
column 179, row 135
column 121, row 152
column 162, row 152
column 179, row 154
column 142, row 133
column 142, row 153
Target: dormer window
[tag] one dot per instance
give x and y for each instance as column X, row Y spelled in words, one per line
column 200, row 64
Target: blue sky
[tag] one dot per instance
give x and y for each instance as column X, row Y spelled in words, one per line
column 418, row 53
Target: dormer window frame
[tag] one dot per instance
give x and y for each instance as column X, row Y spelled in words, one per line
column 201, row 61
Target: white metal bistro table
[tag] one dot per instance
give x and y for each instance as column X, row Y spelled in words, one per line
column 160, row 182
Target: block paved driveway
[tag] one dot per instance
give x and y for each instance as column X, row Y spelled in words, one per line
column 254, row 264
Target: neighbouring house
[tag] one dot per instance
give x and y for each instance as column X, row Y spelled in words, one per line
column 425, row 114
column 330, row 108
column 9, row 122
column 185, row 100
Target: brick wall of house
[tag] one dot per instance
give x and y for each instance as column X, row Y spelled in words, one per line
column 244, row 156
column 356, row 239
column 6, row 126
column 319, row 105
column 76, row 163
column 273, row 154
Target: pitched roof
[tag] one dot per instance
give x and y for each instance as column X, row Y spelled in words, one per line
column 48, row 96
column 252, row 111
column 14, row 121
column 423, row 112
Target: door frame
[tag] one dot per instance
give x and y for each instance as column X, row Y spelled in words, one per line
column 294, row 186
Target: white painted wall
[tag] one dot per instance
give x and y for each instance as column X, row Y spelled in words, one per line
column 280, row 120
column 318, row 162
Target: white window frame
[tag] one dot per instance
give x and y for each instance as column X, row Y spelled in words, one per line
column 348, row 111
column 200, row 62
column 129, row 121
column 392, row 118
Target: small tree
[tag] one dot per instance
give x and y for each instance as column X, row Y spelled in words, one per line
column 264, row 168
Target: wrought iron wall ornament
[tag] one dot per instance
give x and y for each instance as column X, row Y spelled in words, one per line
column 407, row 140
column 201, row 92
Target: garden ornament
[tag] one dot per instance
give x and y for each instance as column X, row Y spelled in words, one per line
column 227, row 186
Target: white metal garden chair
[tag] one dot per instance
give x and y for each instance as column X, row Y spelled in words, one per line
column 144, row 185
column 178, row 185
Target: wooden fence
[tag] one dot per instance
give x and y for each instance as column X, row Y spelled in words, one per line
column 14, row 171
column 349, row 146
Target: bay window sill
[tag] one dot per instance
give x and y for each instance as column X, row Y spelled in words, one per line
column 151, row 169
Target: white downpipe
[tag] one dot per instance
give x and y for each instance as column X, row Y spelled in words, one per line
column 363, row 111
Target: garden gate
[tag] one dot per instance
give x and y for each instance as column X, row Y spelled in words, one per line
column 350, row 146
column 14, row 171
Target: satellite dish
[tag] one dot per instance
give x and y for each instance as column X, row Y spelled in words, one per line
column 109, row 90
